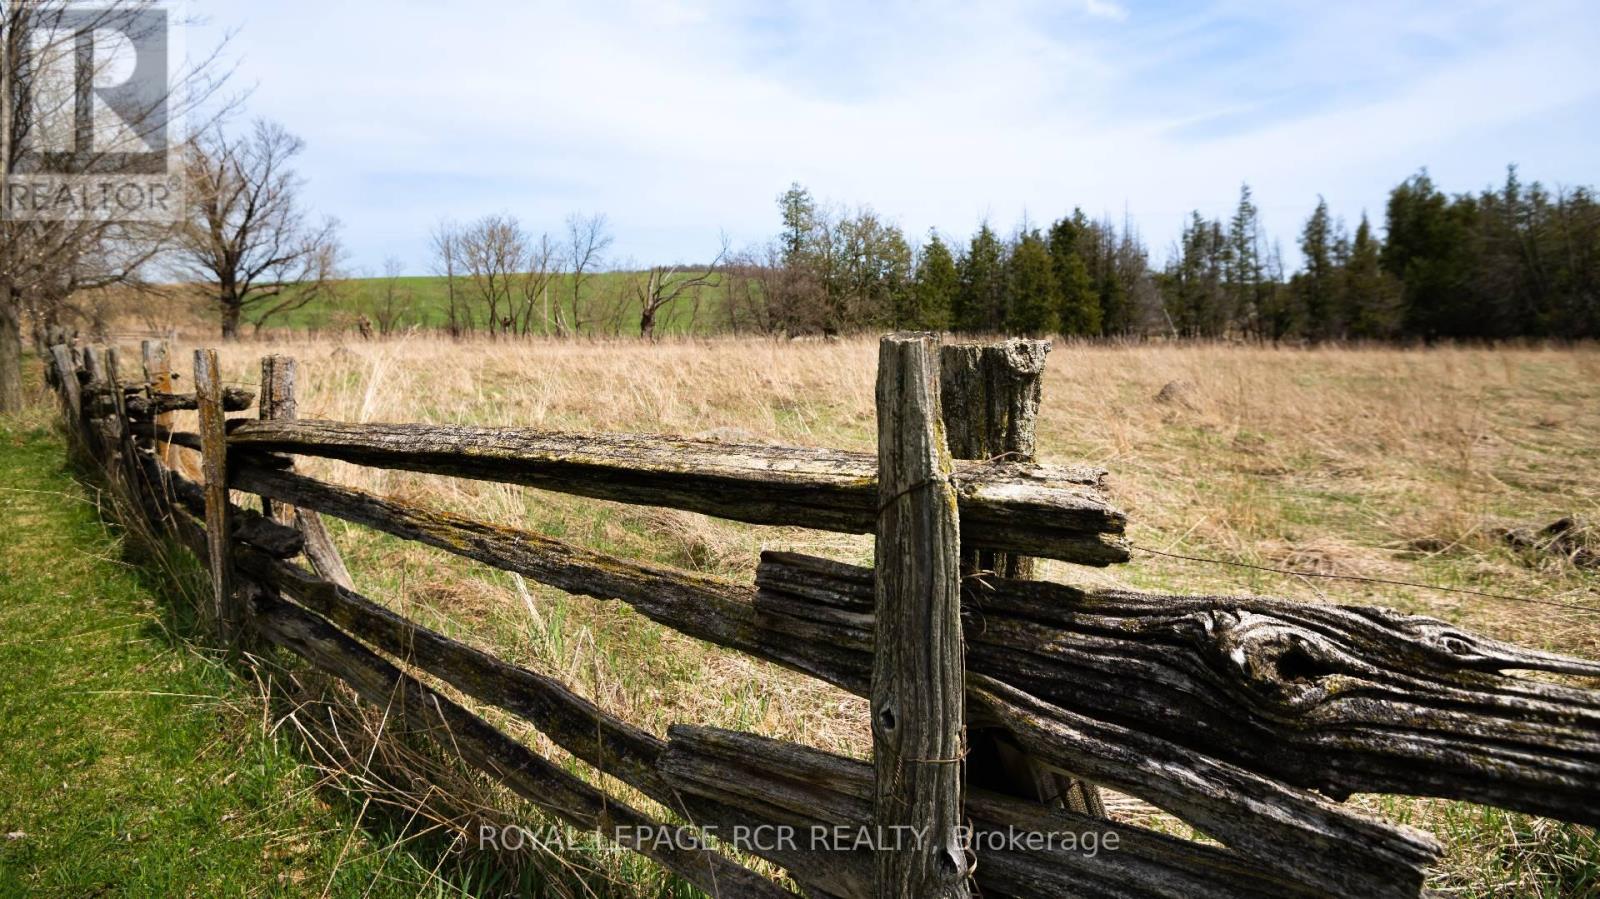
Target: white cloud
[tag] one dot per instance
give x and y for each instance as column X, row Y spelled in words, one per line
column 1105, row 9
column 680, row 119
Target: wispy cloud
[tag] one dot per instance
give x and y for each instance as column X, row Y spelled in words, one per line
column 1105, row 9
column 683, row 118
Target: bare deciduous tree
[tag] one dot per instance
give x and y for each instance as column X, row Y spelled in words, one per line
column 543, row 266
column 445, row 241
column 505, row 271
column 588, row 238
column 395, row 300
column 660, row 286
column 767, row 295
column 44, row 262
column 246, row 235
column 493, row 252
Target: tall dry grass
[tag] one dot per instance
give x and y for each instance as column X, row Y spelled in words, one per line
column 1384, row 463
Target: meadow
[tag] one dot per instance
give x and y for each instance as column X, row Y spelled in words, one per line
column 1376, row 463
column 421, row 303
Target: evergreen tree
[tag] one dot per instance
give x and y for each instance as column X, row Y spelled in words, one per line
column 1034, row 293
column 1371, row 298
column 1426, row 249
column 1513, row 259
column 799, row 213
column 1281, row 313
column 980, row 302
column 1128, row 297
column 1079, row 309
column 1317, row 285
column 933, row 291
column 1196, row 302
column 1243, row 270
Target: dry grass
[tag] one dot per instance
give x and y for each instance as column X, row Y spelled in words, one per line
column 1400, row 464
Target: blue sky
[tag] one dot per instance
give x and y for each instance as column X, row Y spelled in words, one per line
column 682, row 119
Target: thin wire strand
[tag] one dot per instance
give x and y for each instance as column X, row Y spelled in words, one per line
column 1372, row 580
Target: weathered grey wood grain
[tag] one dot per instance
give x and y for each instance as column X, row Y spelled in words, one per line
column 1042, row 510
column 601, row 740
column 278, row 403
column 156, row 405
column 70, row 391
column 117, row 371
column 991, row 394
column 699, row 606
column 98, row 403
column 481, row 745
column 822, row 796
column 160, row 437
column 122, row 467
column 157, row 360
column 229, row 618
column 1281, row 828
column 1156, row 663
column 729, row 780
column 247, row 526
column 759, row 785
column 67, row 383
column 918, row 670
column 1343, row 699
column 94, row 364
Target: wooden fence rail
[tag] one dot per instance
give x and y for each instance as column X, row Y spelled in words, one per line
column 999, row 703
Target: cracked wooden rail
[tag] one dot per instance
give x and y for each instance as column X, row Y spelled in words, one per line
column 702, row 607
column 1041, row 510
column 1342, row 699
column 248, row 525
column 756, row 779
column 837, row 651
column 1241, row 715
column 726, row 780
column 541, row 700
column 234, row 399
column 1408, row 689
column 532, row 777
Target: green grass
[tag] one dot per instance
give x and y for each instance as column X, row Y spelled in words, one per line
column 135, row 764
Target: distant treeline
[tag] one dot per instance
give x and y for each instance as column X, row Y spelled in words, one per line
column 1510, row 262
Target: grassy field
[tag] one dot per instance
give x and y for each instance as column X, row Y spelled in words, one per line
column 1365, row 462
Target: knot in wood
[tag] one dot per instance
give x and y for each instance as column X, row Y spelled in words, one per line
column 1281, row 662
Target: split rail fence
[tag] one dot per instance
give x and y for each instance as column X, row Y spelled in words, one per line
column 999, row 703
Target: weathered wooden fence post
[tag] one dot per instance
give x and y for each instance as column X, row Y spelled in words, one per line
column 118, row 434
column 94, row 363
column 158, row 379
column 278, row 402
column 213, row 464
column 918, row 670
column 66, row 374
column 94, row 406
column 991, row 395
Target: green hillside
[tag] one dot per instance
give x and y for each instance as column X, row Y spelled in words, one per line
column 423, row 301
